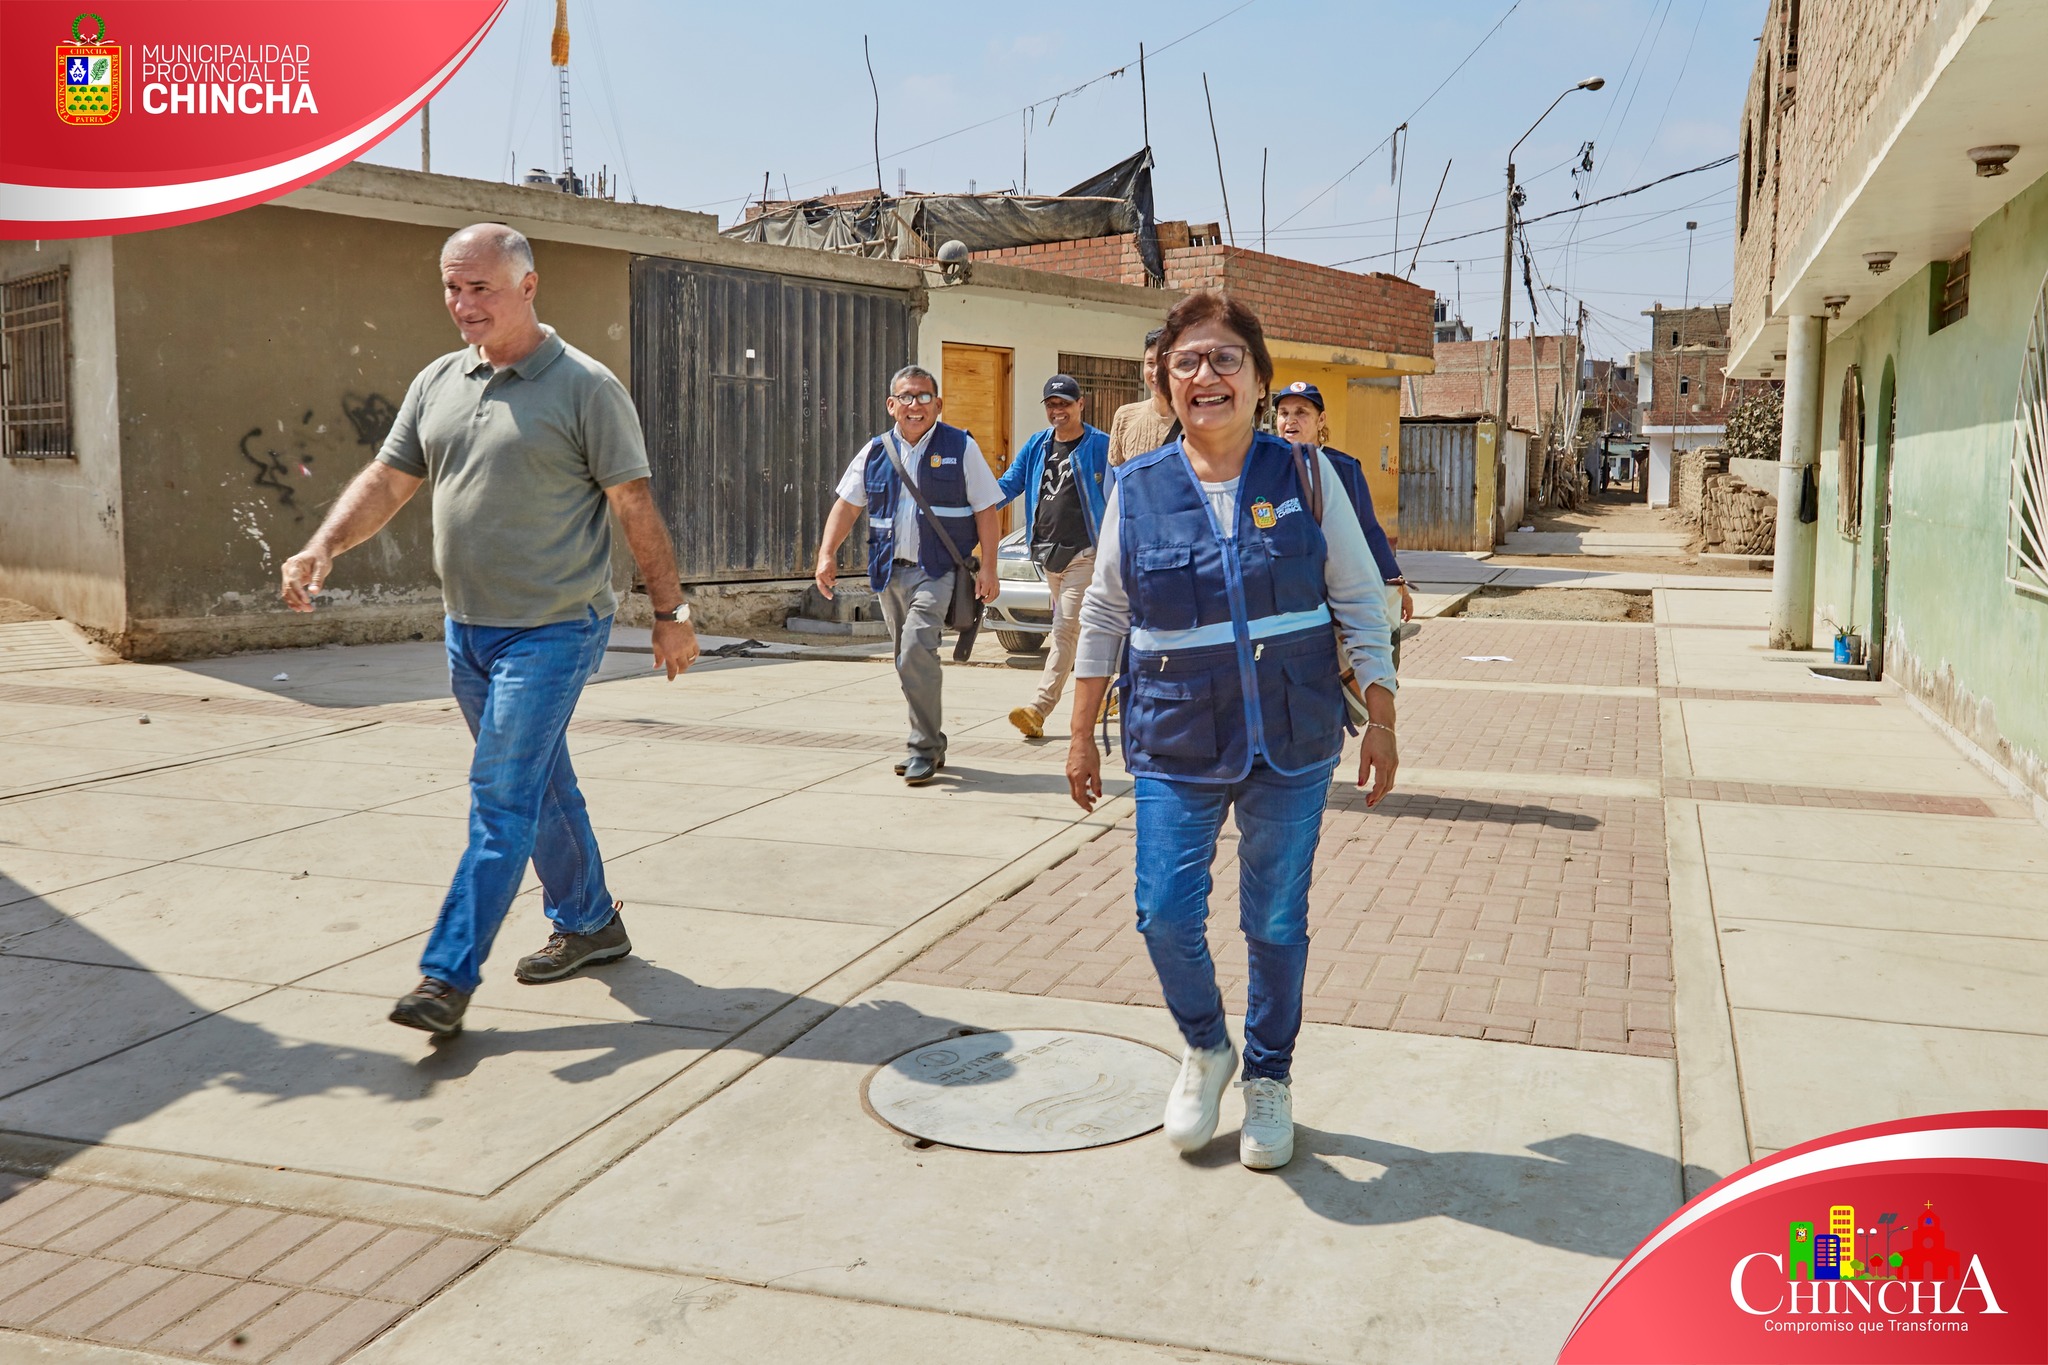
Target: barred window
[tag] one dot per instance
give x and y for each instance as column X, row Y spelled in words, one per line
column 1849, row 457
column 35, row 367
column 2027, row 533
column 1951, row 291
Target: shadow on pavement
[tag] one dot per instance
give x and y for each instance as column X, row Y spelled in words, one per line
column 95, row 1042
column 1578, row 1193
column 1438, row 805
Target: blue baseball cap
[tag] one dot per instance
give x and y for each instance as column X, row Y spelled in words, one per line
column 1301, row 388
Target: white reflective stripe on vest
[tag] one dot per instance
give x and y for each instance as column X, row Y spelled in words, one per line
column 952, row 511
column 1225, row 632
column 881, row 523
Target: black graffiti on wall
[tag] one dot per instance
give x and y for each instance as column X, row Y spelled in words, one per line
column 371, row 414
column 274, row 471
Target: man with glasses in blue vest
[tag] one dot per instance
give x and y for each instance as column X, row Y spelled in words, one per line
column 930, row 499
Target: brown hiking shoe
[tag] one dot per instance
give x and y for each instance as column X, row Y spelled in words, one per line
column 434, row 1006
column 567, row 954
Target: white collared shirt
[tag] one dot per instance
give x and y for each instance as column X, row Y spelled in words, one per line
column 982, row 492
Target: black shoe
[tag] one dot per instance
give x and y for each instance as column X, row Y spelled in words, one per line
column 903, row 763
column 434, row 1006
column 567, row 954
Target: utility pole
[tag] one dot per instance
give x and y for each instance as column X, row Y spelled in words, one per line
column 427, row 136
column 558, row 55
column 1507, row 249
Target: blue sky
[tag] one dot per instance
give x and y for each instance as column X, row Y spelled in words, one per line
column 690, row 103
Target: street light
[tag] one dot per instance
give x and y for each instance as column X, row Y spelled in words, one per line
column 1507, row 257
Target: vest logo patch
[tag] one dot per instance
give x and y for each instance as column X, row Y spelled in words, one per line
column 1263, row 515
column 1291, row 505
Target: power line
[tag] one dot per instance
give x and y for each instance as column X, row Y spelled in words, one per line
column 1150, row 54
column 1683, row 63
column 1559, row 213
column 1404, row 123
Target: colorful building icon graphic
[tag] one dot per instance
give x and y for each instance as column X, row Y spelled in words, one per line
column 1799, row 1251
column 1931, row 1257
column 1827, row 1257
column 1842, row 1225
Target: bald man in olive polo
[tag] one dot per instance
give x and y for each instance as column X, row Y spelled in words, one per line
column 531, row 447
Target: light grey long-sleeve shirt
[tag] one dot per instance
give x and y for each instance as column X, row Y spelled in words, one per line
column 1352, row 582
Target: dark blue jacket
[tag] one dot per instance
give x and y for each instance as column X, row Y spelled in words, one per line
column 1026, row 475
column 1232, row 655
column 1351, row 474
column 942, row 480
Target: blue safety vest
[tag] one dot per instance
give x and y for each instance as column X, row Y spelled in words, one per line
column 942, row 478
column 1232, row 656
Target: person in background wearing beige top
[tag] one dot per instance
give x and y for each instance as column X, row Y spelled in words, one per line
column 1136, row 428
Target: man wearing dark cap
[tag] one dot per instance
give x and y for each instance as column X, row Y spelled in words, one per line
column 1298, row 417
column 1059, row 473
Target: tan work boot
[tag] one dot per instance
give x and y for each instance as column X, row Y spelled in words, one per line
column 1027, row 719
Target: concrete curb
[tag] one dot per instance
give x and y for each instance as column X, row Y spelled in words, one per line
column 1713, row 1127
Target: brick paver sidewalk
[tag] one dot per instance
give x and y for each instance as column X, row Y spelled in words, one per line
column 1523, row 918
column 187, row 1277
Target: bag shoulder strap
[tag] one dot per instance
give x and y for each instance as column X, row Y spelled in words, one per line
column 1308, row 471
column 889, row 440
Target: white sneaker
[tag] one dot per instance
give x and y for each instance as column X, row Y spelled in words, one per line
column 1267, row 1140
column 1197, row 1095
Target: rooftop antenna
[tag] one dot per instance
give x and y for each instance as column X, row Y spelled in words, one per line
column 558, row 56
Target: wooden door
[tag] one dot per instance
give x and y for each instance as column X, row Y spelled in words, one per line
column 976, row 385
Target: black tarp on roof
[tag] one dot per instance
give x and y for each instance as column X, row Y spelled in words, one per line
column 1115, row 201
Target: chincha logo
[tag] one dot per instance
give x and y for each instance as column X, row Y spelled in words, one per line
column 88, row 74
column 1840, row 1277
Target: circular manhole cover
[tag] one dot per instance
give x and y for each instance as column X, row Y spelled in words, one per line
column 1029, row 1090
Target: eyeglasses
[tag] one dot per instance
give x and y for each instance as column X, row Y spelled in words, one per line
column 923, row 400
column 1224, row 360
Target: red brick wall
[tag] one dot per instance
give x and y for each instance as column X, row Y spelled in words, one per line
column 1297, row 301
column 1467, row 380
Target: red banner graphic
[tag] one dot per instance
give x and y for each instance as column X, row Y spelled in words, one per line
column 1921, row 1240
column 134, row 116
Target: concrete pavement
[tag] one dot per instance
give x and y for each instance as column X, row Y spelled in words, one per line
column 1576, row 968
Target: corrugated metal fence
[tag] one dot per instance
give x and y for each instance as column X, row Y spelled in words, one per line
column 754, row 389
column 1439, row 480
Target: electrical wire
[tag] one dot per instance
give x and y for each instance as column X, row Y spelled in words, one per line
column 1559, row 213
column 1374, row 150
column 1004, row 117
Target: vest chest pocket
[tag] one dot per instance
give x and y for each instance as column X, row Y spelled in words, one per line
column 1175, row 717
column 1294, row 556
column 1162, row 587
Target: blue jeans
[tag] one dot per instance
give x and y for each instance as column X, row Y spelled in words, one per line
column 1280, row 821
column 517, row 687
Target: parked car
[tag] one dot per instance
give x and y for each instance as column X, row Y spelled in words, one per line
column 1021, row 615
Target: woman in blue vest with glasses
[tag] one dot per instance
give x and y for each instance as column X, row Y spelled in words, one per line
column 1219, row 590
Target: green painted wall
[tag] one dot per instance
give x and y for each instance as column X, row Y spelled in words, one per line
column 1958, row 635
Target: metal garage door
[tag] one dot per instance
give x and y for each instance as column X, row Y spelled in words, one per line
column 1438, row 483
column 754, row 389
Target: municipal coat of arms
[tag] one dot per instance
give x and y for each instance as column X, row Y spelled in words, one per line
column 88, row 74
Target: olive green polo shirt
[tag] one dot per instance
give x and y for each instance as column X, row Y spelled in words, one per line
column 519, row 459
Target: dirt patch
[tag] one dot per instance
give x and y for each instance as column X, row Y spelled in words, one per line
column 1558, row 604
column 12, row 612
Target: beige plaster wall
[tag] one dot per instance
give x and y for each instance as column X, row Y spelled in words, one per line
column 60, row 520
column 263, row 355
